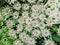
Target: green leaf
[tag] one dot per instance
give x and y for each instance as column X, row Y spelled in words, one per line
column 45, row 1
column 1, row 23
column 53, row 28
column 56, row 38
column 4, row 28
column 1, row 43
column 6, row 41
column 15, row 21
column 0, row 9
column 2, row 2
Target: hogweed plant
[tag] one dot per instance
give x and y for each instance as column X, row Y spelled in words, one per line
column 30, row 22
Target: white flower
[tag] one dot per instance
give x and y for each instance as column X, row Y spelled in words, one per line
column 17, row 42
column 35, row 23
column 17, row 6
column 28, row 20
column 12, row 33
column 7, row 10
column 45, row 32
column 9, row 23
column 57, row 16
column 25, row 14
column 36, row 32
column 31, row 1
column 23, row 36
column 41, row 25
column 25, row 6
column 48, row 11
column 31, row 41
column 54, row 5
column 53, row 13
column 34, row 15
column 52, row 2
column 28, row 28
column 50, row 22
column 49, row 42
column 41, row 8
column 19, row 27
column 21, row 20
column 15, row 15
column 42, row 17
column 35, row 8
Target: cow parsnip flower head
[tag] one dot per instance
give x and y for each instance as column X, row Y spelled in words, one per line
column 30, row 22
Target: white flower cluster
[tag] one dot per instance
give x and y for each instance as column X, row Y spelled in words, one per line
column 32, row 19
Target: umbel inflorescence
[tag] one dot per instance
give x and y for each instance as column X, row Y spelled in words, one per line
column 30, row 22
